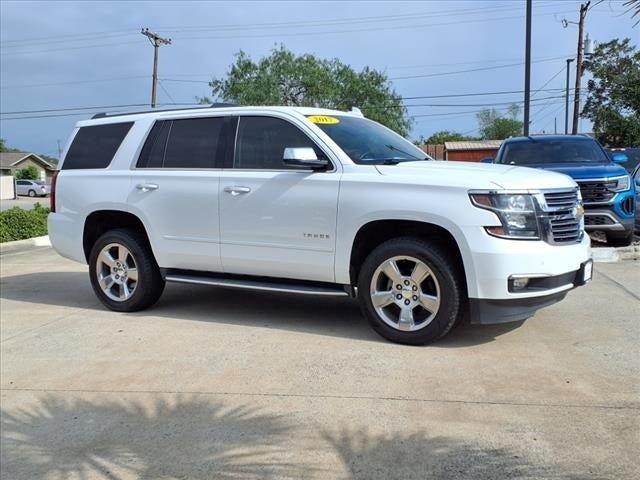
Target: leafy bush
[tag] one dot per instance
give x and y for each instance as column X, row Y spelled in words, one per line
column 18, row 224
column 28, row 173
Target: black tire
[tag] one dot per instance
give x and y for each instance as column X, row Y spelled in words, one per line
column 623, row 241
column 447, row 273
column 32, row 193
column 150, row 283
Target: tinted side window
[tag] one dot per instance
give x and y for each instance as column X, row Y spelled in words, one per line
column 187, row 143
column 193, row 143
column 95, row 146
column 262, row 140
column 152, row 154
column 22, row 182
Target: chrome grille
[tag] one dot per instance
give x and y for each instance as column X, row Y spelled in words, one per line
column 597, row 191
column 562, row 200
column 564, row 223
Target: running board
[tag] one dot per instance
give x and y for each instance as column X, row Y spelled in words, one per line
column 279, row 285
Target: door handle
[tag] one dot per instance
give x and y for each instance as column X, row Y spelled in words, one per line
column 146, row 187
column 235, row 191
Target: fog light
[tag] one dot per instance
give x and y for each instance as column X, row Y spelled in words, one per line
column 520, row 283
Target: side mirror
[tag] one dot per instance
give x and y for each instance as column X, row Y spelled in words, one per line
column 304, row 157
column 619, row 157
column 487, row 160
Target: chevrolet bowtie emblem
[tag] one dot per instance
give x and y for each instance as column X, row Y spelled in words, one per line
column 579, row 211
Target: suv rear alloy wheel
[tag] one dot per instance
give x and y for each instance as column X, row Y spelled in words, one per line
column 117, row 272
column 124, row 274
column 410, row 291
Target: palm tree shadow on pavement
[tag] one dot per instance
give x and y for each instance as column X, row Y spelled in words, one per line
column 191, row 438
column 419, row 456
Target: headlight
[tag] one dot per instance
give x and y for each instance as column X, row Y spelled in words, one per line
column 517, row 213
column 621, row 183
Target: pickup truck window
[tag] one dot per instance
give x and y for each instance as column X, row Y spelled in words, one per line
column 367, row 142
column 262, row 140
column 95, row 146
column 547, row 151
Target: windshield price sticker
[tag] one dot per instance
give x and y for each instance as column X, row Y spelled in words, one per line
column 323, row 119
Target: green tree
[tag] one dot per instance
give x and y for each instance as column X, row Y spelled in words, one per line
column 442, row 136
column 284, row 78
column 4, row 148
column 613, row 98
column 493, row 126
column 28, row 173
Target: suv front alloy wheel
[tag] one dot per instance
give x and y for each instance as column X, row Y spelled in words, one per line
column 410, row 290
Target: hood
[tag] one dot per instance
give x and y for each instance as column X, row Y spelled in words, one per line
column 476, row 175
column 580, row 171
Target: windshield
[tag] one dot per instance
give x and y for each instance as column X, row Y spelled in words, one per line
column 367, row 142
column 560, row 151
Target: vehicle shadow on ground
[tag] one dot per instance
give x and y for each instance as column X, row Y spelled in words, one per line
column 338, row 317
column 193, row 438
column 420, row 456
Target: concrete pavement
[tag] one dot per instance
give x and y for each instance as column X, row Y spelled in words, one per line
column 26, row 203
column 214, row 383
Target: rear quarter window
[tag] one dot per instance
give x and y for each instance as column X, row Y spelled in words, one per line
column 95, row 146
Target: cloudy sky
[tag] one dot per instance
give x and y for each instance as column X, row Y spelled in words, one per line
column 62, row 55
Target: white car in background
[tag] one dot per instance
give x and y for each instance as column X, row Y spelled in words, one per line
column 316, row 202
column 32, row 188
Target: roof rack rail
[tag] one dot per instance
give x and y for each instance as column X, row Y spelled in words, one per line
column 213, row 105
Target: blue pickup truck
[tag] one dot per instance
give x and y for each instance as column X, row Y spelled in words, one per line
column 607, row 190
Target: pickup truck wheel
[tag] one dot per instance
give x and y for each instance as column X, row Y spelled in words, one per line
column 410, row 291
column 124, row 274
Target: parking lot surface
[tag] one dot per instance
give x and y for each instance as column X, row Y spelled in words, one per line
column 23, row 202
column 215, row 383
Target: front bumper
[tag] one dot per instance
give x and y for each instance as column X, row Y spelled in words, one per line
column 495, row 260
column 488, row 311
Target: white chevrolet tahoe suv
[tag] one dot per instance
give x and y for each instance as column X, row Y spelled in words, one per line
column 313, row 201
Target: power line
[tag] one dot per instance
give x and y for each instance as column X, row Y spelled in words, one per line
column 165, row 91
column 75, row 108
column 108, row 109
column 73, row 82
column 306, row 33
column 348, row 21
column 357, row 30
column 439, row 74
column 98, row 107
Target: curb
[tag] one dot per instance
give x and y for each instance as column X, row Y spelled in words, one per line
column 612, row 255
column 23, row 245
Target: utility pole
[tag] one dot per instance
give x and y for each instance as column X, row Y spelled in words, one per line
column 566, row 99
column 584, row 8
column 156, row 40
column 527, row 70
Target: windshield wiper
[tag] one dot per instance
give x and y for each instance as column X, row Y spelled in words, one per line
column 388, row 161
column 391, row 147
